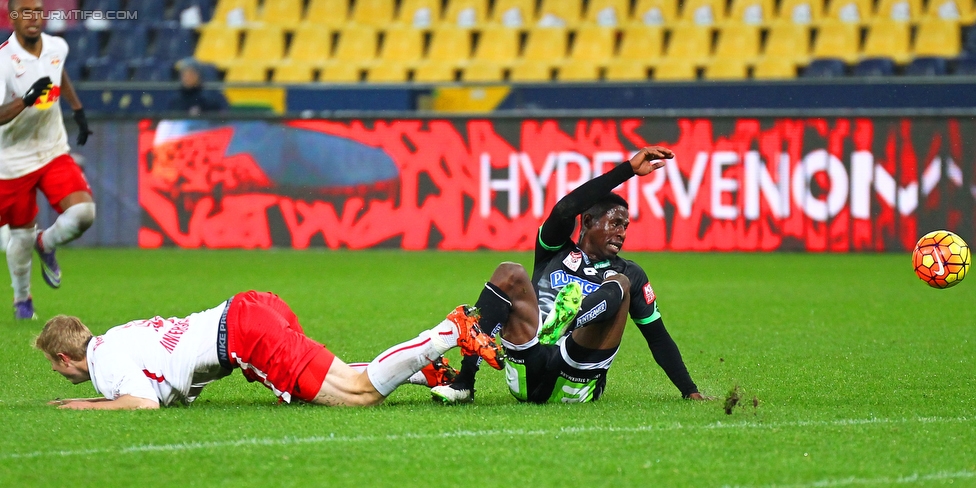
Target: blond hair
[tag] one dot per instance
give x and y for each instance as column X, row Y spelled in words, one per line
column 64, row 334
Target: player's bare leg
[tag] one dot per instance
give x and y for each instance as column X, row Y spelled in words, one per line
column 77, row 215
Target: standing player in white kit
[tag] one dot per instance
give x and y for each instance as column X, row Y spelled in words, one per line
column 34, row 151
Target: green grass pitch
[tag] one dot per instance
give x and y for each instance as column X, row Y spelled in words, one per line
column 863, row 376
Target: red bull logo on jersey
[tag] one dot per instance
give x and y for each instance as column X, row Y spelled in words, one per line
column 48, row 98
column 560, row 278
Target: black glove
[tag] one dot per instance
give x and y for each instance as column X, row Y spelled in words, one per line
column 83, row 130
column 39, row 87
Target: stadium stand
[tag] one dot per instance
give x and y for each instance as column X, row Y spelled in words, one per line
column 927, row 66
column 656, row 12
column 419, row 14
column 751, row 12
column 308, row 41
column 466, row 14
column 607, row 13
column 513, row 13
column 874, row 67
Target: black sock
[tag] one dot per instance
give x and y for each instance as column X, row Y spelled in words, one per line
column 494, row 306
column 599, row 306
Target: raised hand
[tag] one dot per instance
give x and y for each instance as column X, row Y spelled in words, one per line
column 649, row 159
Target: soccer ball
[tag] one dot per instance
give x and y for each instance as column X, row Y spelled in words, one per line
column 941, row 259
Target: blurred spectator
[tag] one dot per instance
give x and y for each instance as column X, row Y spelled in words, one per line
column 192, row 98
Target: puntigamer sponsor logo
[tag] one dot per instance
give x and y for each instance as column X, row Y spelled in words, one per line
column 561, row 278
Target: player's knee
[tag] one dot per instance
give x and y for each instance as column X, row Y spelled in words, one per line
column 624, row 284
column 510, row 277
column 84, row 214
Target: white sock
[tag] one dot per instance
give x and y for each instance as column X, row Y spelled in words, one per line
column 399, row 363
column 19, row 249
column 69, row 225
column 417, row 378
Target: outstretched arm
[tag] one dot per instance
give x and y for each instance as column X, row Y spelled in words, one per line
column 668, row 356
column 124, row 402
column 559, row 225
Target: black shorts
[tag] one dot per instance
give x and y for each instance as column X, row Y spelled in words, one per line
column 540, row 374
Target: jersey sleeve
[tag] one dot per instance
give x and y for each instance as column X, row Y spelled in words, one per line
column 114, row 374
column 643, row 301
column 558, row 226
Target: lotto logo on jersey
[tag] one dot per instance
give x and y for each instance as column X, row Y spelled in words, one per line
column 649, row 296
column 560, row 278
column 48, row 98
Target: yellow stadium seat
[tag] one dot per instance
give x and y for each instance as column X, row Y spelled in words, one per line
column 560, row 13
column 727, row 69
column 513, row 13
column 593, row 44
column 898, row 11
column 837, row 40
column 850, row 11
column 626, row 71
column 327, row 13
column 341, row 73
column 641, row 44
column 703, row 12
column 450, row 45
column 421, row 14
column 263, row 46
column 285, row 13
column 676, row 69
column 373, row 13
column 751, row 12
column 937, row 38
column 466, row 14
column 218, row 45
column 311, row 45
column 294, row 73
column 497, row 44
column 656, row 12
column 483, row 72
column 738, row 42
column 531, row 72
column 961, row 11
column 387, row 73
column 607, row 13
column 579, row 71
column 800, row 11
column 889, row 39
column 788, row 41
column 775, row 69
column 435, row 72
column 546, row 46
column 235, row 13
column 246, row 73
column 357, row 45
column 690, row 42
column 402, row 45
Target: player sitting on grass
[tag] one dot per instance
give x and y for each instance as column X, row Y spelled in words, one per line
column 148, row 363
column 584, row 291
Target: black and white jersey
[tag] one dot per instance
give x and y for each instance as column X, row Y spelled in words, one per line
column 556, row 266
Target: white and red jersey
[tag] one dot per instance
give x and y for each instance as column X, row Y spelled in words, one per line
column 167, row 360
column 37, row 135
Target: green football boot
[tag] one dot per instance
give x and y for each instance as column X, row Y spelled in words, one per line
column 564, row 310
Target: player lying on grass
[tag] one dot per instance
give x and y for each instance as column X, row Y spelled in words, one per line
column 581, row 293
column 148, row 363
